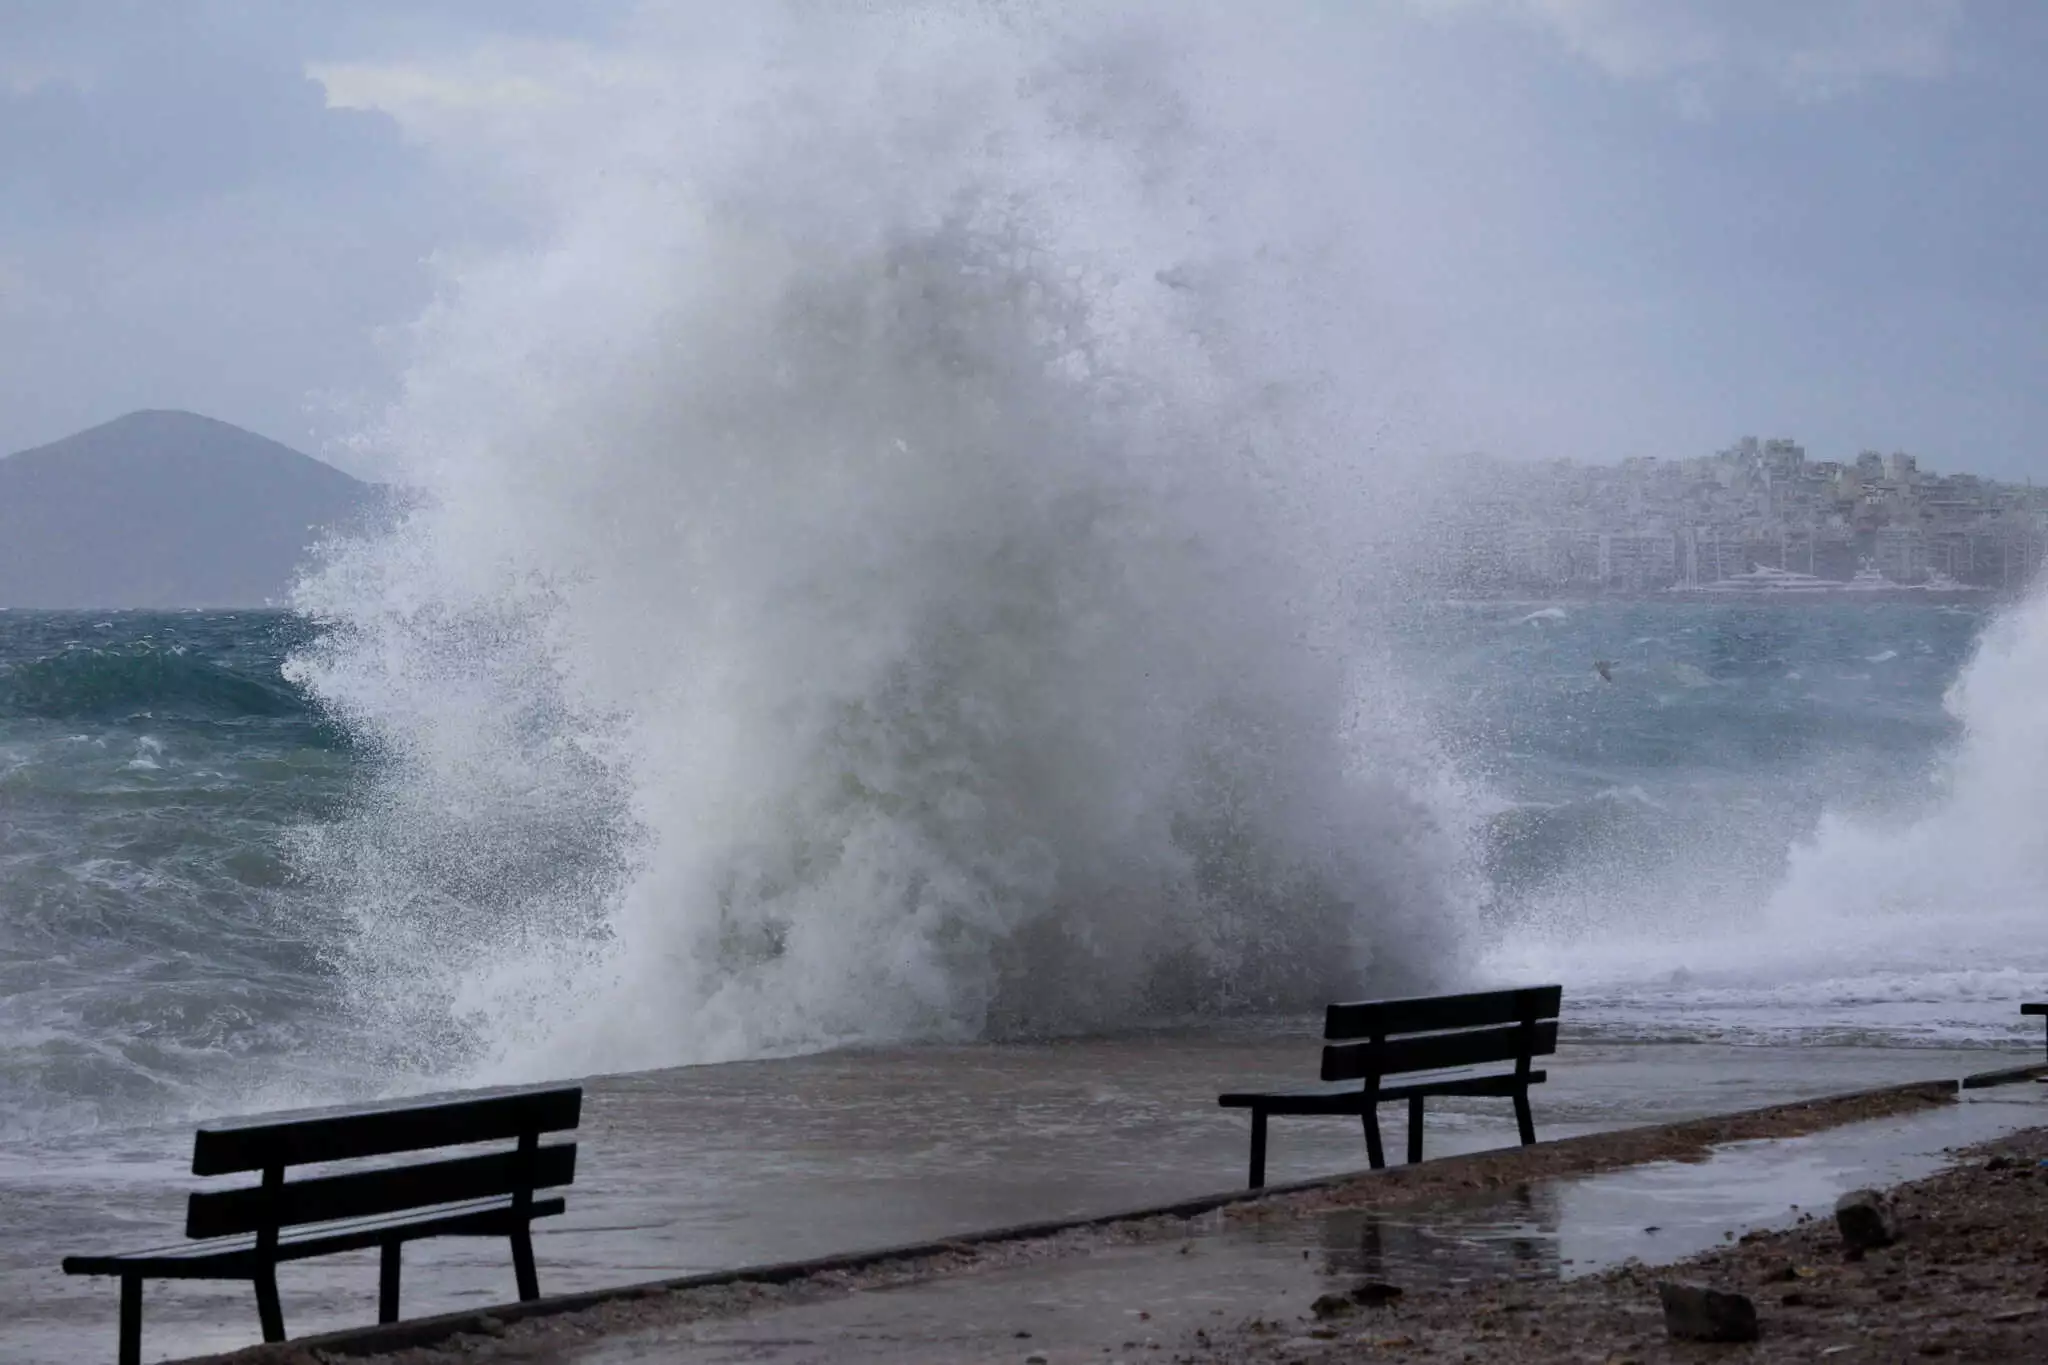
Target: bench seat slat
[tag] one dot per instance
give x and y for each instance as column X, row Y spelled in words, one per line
column 385, row 1131
column 1437, row 1051
column 1348, row 1098
column 235, row 1258
column 1429, row 1013
column 361, row 1193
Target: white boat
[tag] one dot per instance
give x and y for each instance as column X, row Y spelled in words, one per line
column 1937, row 581
column 1868, row 579
column 1763, row 581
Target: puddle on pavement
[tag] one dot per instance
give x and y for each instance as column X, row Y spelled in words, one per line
column 1123, row 1301
column 1658, row 1212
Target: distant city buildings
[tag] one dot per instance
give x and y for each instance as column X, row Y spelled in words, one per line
column 1647, row 524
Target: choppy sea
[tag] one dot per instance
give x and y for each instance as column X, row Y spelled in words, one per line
column 1735, row 835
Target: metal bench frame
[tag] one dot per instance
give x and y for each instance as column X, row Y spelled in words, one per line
column 245, row 1233
column 1429, row 1045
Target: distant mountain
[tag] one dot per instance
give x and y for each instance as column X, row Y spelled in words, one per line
column 164, row 509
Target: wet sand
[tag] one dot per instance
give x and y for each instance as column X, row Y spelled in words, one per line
column 1233, row 1282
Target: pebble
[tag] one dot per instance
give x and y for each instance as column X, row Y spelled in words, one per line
column 1695, row 1312
column 1864, row 1219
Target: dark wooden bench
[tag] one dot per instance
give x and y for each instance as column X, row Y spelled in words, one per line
column 244, row 1233
column 2035, row 1007
column 1477, row 1044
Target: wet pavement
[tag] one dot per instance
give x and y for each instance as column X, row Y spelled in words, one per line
column 720, row 1166
column 1132, row 1303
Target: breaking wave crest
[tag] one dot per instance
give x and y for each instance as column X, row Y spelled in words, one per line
column 1963, row 868
column 82, row 683
column 876, row 578
column 1902, row 904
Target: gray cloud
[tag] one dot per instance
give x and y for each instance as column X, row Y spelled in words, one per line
column 231, row 207
column 185, row 221
column 154, row 136
column 1812, row 49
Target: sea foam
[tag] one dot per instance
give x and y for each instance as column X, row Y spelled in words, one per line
column 886, row 567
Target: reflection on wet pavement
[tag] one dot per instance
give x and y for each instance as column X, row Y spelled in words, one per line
column 1129, row 1301
column 1658, row 1212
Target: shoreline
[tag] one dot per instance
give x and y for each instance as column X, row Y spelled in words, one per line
column 522, row 1331
column 1964, row 1279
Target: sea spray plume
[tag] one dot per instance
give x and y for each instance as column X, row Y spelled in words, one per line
column 1886, row 890
column 1936, row 897
column 880, row 572
column 1971, row 858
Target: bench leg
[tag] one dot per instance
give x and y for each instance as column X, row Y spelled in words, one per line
column 267, row 1309
column 1525, row 1120
column 1258, row 1173
column 131, row 1320
column 1375, row 1154
column 522, row 1264
column 387, row 1281
column 1414, row 1129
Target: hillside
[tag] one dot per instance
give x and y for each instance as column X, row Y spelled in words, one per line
column 164, row 509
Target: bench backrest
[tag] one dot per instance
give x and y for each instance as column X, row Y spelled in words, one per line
column 276, row 1203
column 1377, row 1038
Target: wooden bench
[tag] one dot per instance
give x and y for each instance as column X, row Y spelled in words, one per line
column 1477, row 1044
column 2035, row 1007
column 244, row 1233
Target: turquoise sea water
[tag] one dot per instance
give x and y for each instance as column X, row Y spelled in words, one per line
column 153, row 945
column 1719, row 734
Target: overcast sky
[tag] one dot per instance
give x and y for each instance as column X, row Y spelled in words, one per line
column 1604, row 227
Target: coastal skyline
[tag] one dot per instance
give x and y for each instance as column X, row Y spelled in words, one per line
column 1640, row 524
column 1648, row 524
